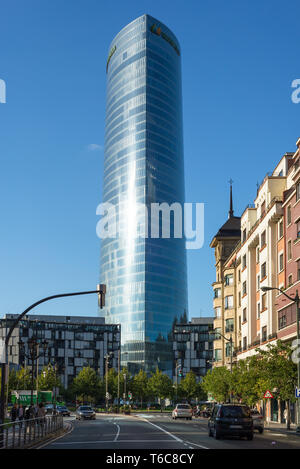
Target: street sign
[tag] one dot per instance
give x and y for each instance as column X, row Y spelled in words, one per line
column 297, row 393
column 268, row 395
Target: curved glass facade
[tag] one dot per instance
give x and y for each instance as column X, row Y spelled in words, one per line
column 145, row 277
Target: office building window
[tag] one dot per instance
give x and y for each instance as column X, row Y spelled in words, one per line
column 289, row 215
column 218, row 331
column 290, row 280
column 258, row 282
column 244, row 343
column 289, row 250
column 280, row 262
column 258, row 310
column 263, row 209
column 263, row 239
column 228, row 349
column 240, row 298
column 229, row 279
column 229, row 325
column 264, row 334
column 244, row 262
column 218, row 354
column 298, row 229
column 257, row 254
column 218, row 312
column 264, row 301
column 217, row 292
column 298, row 191
column 244, row 236
column 244, row 314
column 228, row 302
column 244, row 288
column 263, row 271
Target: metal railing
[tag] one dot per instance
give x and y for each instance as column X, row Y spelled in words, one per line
column 25, row 432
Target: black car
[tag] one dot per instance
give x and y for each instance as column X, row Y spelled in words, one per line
column 230, row 420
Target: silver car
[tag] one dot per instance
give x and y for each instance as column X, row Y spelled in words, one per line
column 85, row 412
column 182, row 411
column 258, row 420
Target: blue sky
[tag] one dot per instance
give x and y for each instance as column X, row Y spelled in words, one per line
column 239, row 59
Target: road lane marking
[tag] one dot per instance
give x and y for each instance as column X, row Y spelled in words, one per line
column 163, row 430
column 112, row 441
column 118, row 432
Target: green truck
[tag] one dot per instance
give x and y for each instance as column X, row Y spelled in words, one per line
column 24, row 397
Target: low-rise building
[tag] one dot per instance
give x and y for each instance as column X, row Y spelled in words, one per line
column 73, row 342
column 193, row 348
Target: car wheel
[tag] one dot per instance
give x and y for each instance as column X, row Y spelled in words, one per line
column 250, row 437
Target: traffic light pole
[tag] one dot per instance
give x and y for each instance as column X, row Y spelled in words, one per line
column 101, row 290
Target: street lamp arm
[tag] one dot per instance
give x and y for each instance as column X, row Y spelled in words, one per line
column 289, row 297
column 219, row 333
column 43, row 300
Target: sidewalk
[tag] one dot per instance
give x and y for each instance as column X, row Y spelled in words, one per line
column 281, row 428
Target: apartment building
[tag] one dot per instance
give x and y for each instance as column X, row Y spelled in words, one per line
column 262, row 260
column 73, row 342
column 193, row 347
column 226, row 288
column 288, row 252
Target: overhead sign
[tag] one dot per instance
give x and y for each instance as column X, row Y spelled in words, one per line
column 268, row 395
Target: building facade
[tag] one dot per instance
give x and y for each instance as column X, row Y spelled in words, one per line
column 73, row 342
column 193, row 348
column 145, row 275
column 226, row 289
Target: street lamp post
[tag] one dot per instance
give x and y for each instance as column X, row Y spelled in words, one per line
column 296, row 300
column 176, row 374
column 33, row 355
column 107, row 357
column 101, row 290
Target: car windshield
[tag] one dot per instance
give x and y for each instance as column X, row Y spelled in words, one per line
column 85, row 408
column 61, row 407
column 183, row 406
column 234, row 412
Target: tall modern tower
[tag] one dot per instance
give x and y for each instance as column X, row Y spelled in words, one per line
column 145, row 276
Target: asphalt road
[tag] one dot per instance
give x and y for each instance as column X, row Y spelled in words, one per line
column 159, row 432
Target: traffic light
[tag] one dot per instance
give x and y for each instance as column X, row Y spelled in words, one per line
column 101, row 295
column 180, row 372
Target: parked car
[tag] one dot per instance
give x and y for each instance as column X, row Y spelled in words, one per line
column 182, row 411
column 85, row 412
column 230, row 420
column 49, row 408
column 63, row 410
column 258, row 420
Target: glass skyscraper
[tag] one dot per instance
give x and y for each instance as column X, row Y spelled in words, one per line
column 145, row 277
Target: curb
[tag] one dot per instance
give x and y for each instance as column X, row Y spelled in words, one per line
column 68, row 428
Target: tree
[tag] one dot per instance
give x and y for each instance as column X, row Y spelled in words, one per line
column 188, row 386
column 86, row 384
column 47, row 379
column 139, row 385
column 160, row 386
column 217, row 382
